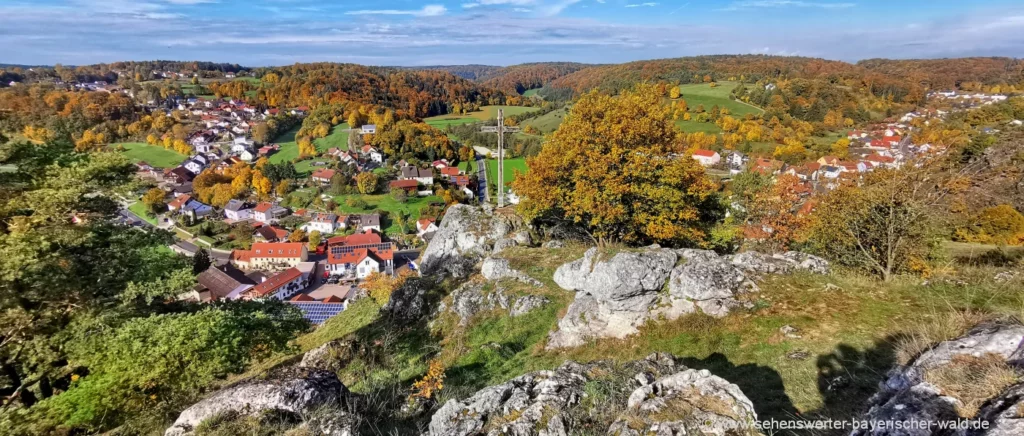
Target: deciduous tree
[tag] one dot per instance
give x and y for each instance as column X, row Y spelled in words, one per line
column 611, row 167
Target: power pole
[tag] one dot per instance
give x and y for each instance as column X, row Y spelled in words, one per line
column 500, row 129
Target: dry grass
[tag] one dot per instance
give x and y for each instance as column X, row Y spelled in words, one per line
column 972, row 380
column 939, row 327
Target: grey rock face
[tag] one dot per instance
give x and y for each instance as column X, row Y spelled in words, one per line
column 471, row 299
column 496, row 269
column 906, row 396
column 687, row 402
column 409, row 301
column 291, row 390
column 332, row 356
column 543, row 402
column 554, row 243
column 616, row 296
column 760, row 263
column 1003, row 414
column 465, row 235
column 503, row 243
column 1001, row 340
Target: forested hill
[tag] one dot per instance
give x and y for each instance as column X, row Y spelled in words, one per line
column 901, row 79
column 510, row 79
column 470, row 72
column 417, row 93
column 520, row 78
column 950, row 73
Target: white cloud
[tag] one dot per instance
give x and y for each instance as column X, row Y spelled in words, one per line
column 754, row 4
column 637, row 5
column 427, row 11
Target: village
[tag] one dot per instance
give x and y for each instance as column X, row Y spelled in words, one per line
column 311, row 256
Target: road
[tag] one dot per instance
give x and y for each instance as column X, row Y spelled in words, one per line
column 481, row 174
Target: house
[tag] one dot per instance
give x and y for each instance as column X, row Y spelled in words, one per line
column 195, row 164
column 271, row 255
column 268, row 213
column 271, row 234
column 221, row 282
column 179, row 175
column 368, row 129
column 247, row 156
column 323, row 222
column 735, row 160
column 365, row 222
column 178, row 202
column 410, row 186
column 186, row 204
column 359, row 255
column 237, row 210
column 830, row 172
column 373, row 154
column 828, row 160
column 707, row 157
column 323, row 176
column 766, row 166
column 425, row 225
column 240, row 259
column 450, row 172
column 316, row 312
column 280, row 286
column 424, row 176
column 878, row 160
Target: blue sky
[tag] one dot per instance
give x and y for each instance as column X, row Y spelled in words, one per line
column 499, row 32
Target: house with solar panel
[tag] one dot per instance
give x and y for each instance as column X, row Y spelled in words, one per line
column 280, row 286
column 319, row 311
column 359, row 255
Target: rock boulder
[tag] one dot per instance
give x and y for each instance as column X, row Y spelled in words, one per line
column 618, row 295
column 464, row 236
column 290, row 390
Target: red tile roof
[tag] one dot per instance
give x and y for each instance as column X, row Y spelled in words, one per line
column 704, row 153
column 333, row 299
column 263, row 207
column 302, row 297
column 279, row 250
column 424, row 223
column 450, row 171
column 365, row 238
column 404, row 184
column 177, row 203
column 326, row 174
column 274, row 283
column 241, row 255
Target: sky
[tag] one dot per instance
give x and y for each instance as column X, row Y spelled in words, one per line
column 499, row 32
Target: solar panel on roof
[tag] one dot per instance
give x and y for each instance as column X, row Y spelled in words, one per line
column 317, row 312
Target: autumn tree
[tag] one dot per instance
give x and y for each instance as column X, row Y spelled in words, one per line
column 154, row 201
column 610, row 167
column 261, row 184
column 773, row 211
column 674, row 93
column 882, row 225
column 298, row 235
column 366, row 182
column 314, row 239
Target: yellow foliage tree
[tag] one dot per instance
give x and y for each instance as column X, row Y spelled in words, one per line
column 674, row 93
column 610, row 167
column 261, row 184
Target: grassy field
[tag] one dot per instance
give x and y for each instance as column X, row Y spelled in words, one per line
column 289, row 148
column 694, row 127
column 530, row 92
column 387, row 203
column 485, row 113
column 337, row 138
column 441, row 123
column 152, row 154
column 511, row 165
column 140, row 209
column 704, row 94
column 548, row 122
